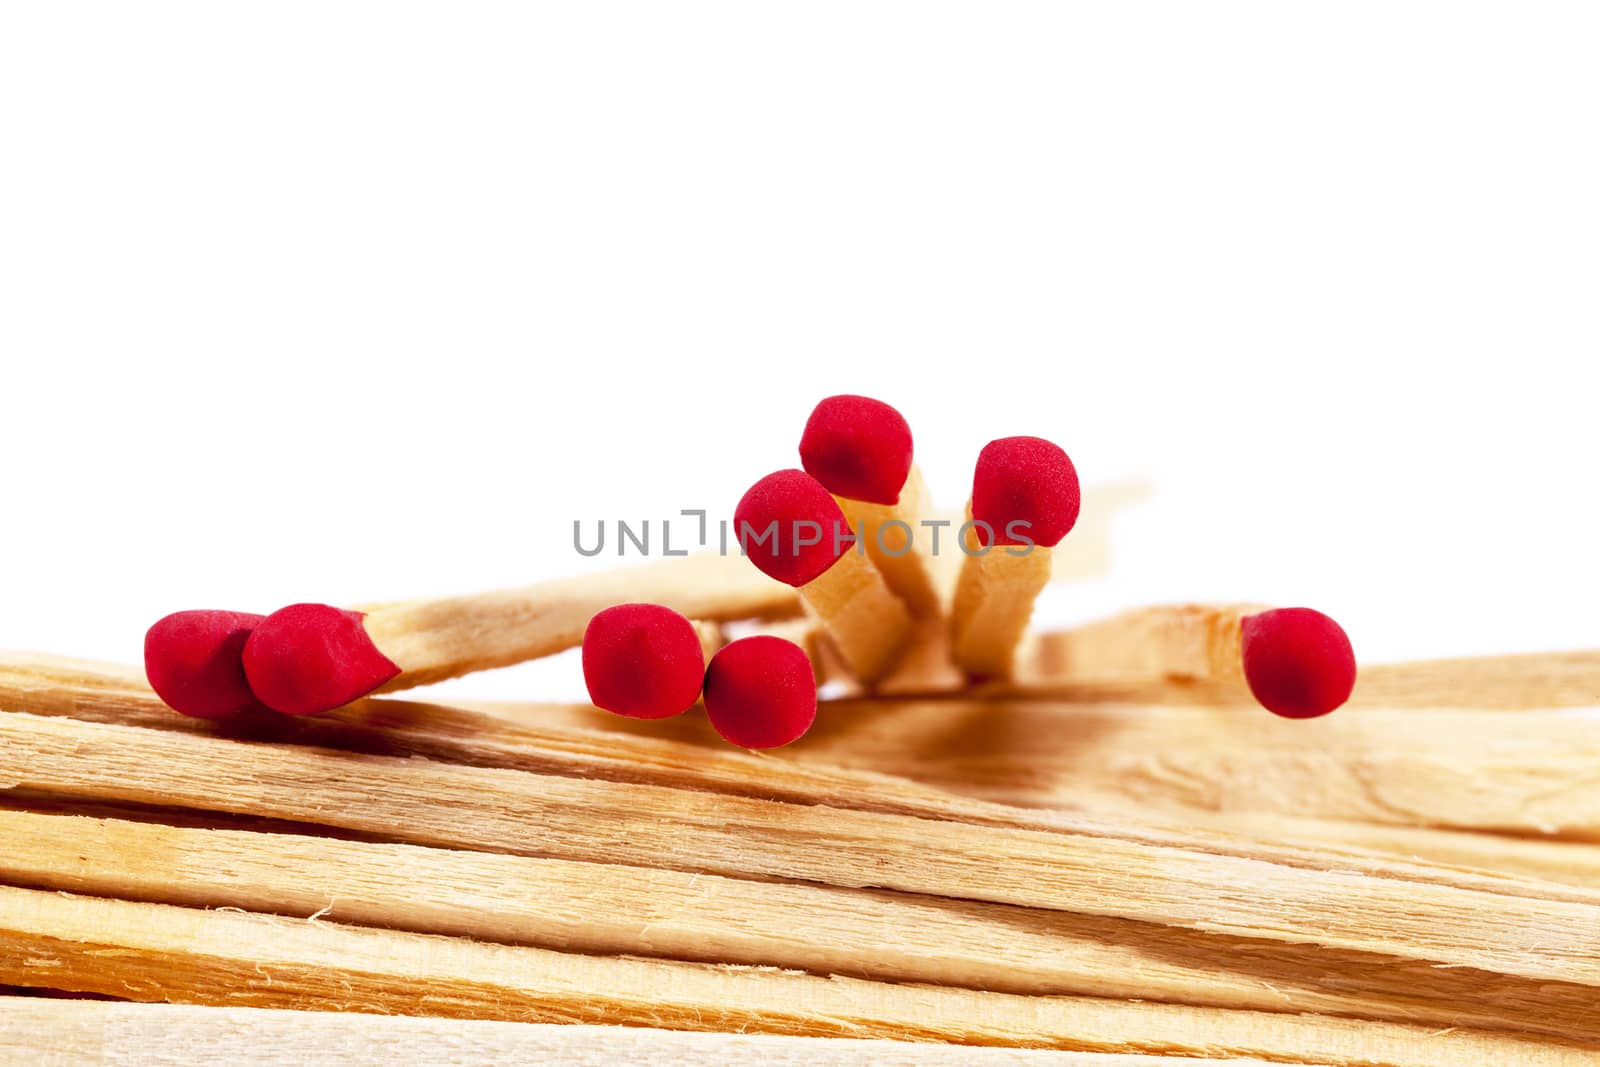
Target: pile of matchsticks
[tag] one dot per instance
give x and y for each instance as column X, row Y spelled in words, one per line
column 852, row 534
column 1087, row 848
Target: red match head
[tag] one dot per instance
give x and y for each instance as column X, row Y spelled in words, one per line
column 761, row 692
column 857, row 447
column 643, row 661
column 1024, row 480
column 307, row 658
column 790, row 527
column 193, row 662
column 1298, row 662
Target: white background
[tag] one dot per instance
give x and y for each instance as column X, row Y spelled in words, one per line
column 361, row 302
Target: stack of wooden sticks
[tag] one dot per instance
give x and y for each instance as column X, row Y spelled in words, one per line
column 1055, row 869
column 1086, row 847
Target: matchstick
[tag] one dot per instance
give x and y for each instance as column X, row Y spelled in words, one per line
column 1362, row 903
column 643, row 661
column 1568, row 862
column 633, row 911
column 1526, row 774
column 860, row 450
column 198, row 682
column 1446, row 768
column 194, row 660
column 1025, row 499
column 761, row 692
column 794, row 531
column 156, row 952
column 562, row 739
column 96, row 1033
column 310, row 658
column 1525, row 680
column 1297, row 662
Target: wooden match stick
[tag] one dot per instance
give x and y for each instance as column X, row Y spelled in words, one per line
column 1375, row 765
column 1025, row 499
column 1366, row 904
column 1381, row 769
column 1525, row 680
column 794, row 531
column 1529, row 773
column 113, row 694
column 761, row 692
column 860, row 450
column 183, row 955
column 861, row 933
column 1568, row 862
column 1296, row 661
column 310, row 658
column 643, row 661
column 97, row 1033
column 194, row 657
column 195, row 661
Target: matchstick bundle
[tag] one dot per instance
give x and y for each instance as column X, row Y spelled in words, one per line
column 849, row 535
column 470, row 886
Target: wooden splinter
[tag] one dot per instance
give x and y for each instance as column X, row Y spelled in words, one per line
column 1025, row 499
column 794, row 531
column 309, row 658
column 860, row 450
column 1297, row 662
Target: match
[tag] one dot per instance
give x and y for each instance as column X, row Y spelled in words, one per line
column 860, row 449
column 310, row 658
column 643, row 661
column 193, row 660
column 760, row 692
column 1025, row 499
column 863, row 618
column 1297, row 662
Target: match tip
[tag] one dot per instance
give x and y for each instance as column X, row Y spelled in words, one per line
column 193, row 662
column 1298, row 662
column 858, row 448
column 1025, row 480
column 790, row 527
column 643, row 661
column 760, row 692
column 308, row 658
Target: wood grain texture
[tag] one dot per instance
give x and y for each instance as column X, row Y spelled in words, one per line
column 1568, row 862
column 539, row 738
column 544, row 739
column 86, row 1033
column 1345, row 901
column 608, row 909
column 157, row 952
column 1506, row 683
column 1532, row 773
